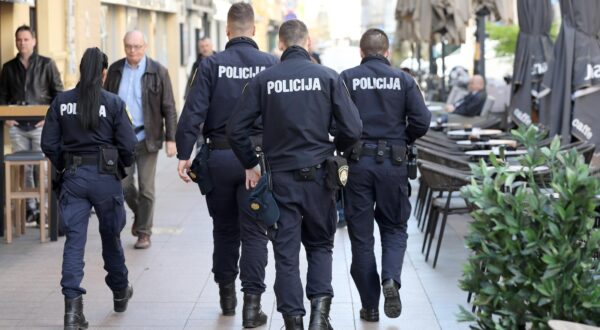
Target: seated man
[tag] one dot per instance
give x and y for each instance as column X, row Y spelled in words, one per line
column 472, row 104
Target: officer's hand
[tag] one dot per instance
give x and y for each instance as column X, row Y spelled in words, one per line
column 40, row 124
column 449, row 108
column 182, row 168
column 252, row 177
column 171, row 148
column 11, row 123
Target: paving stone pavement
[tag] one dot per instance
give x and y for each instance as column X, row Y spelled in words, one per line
column 174, row 287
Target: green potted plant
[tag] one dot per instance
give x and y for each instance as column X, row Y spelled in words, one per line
column 532, row 240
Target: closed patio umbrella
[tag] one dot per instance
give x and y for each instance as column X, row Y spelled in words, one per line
column 534, row 49
column 572, row 84
column 502, row 10
column 414, row 20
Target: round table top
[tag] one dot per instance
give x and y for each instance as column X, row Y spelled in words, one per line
column 491, row 142
column 484, row 153
column 480, row 132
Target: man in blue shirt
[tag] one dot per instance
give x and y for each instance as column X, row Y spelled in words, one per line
column 145, row 86
column 130, row 91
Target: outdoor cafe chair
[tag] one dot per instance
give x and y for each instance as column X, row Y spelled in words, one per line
column 442, row 178
column 424, row 195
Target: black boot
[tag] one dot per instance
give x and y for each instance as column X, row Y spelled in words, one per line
column 319, row 314
column 74, row 319
column 293, row 322
column 228, row 299
column 121, row 298
column 392, row 305
column 369, row 314
column 252, row 315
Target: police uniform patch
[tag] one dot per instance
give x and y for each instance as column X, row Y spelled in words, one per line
column 343, row 174
column 129, row 115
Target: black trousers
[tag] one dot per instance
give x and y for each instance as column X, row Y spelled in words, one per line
column 234, row 225
column 376, row 192
column 308, row 216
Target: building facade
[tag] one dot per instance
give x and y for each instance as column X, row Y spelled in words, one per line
column 65, row 28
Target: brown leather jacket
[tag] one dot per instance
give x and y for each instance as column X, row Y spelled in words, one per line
column 158, row 103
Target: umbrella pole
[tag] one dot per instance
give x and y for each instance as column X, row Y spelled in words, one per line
column 443, row 92
column 432, row 75
column 419, row 76
column 481, row 35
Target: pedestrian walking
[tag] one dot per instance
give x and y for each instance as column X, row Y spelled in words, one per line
column 89, row 139
column 212, row 98
column 145, row 86
column 298, row 101
column 394, row 115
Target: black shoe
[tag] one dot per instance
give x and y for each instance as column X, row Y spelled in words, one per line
column 228, row 299
column 319, row 313
column 392, row 306
column 74, row 318
column 121, row 298
column 32, row 216
column 252, row 315
column 369, row 314
column 293, row 322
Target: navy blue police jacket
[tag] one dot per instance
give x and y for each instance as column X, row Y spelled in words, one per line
column 390, row 103
column 215, row 91
column 63, row 133
column 298, row 101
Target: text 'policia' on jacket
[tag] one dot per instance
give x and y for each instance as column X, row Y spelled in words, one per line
column 229, row 70
column 297, row 114
column 70, row 137
column 158, row 103
column 386, row 97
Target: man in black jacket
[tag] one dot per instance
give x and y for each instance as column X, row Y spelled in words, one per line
column 213, row 95
column 29, row 78
column 145, row 86
column 205, row 49
column 394, row 115
column 298, row 101
column 472, row 104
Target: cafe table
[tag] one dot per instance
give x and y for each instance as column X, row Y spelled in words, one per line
column 475, row 131
column 21, row 112
column 495, row 151
column 488, row 143
column 435, row 106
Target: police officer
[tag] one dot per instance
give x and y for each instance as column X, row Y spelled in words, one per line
column 298, row 100
column 87, row 136
column 213, row 95
column 394, row 114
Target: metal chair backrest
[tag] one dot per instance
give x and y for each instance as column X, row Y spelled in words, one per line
column 487, row 106
column 587, row 151
column 442, row 178
column 435, row 156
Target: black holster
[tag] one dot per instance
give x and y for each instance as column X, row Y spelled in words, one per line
column 199, row 171
column 108, row 161
column 306, row 173
column 355, row 152
column 381, row 148
column 398, row 154
column 57, row 181
column 412, row 162
column 337, row 172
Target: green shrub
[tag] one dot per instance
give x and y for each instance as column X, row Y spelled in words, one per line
column 532, row 240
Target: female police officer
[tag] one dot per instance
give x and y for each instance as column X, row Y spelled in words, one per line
column 88, row 136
